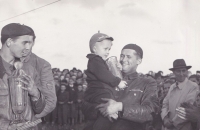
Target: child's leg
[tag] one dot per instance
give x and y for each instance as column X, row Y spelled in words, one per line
column 95, row 96
column 65, row 116
column 54, row 115
column 47, row 118
column 72, row 121
column 102, row 123
column 79, row 116
column 60, row 115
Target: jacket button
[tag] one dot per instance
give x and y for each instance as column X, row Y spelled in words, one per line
column 134, row 94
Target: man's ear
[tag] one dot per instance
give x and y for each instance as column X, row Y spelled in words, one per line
column 8, row 42
column 33, row 43
column 139, row 61
column 94, row 48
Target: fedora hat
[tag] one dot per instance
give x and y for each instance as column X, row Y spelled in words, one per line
column 179, row 63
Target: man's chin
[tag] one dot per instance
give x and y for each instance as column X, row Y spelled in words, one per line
column 24, row 55
column 124, row 70
column 180, row 80
column 124, row 67
column 19, row 56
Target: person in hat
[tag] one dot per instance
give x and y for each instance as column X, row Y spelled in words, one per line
column 16, row 41
column 101, row 82
column 136, row 104
column 182, row 91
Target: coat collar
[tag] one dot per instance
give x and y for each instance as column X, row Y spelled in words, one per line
column 181, row 85
column 92, row 55
column 2, row 69
column 131, row 76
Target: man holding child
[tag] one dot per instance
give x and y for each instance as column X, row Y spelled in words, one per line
column 136, row 104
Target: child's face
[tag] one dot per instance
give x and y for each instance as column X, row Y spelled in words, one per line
column 67, row 75
column 84, row 76
column 71, row 83
column 84, row 87
column 79, row 74
column 79, row 81
column 166, row 88
column 59, row 73
column 67, row 79
column 66, row 71
column 75, row 74
column 159, row 80
column 73, row 77
column 62, row 77
column 63, row 87
column 80, row 88
column 194, row 80
column 102, row 48
column 56, row 82
column 71, row 73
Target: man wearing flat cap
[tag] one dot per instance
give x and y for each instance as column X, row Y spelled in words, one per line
column 137, row 103
column 17, row 42
column 181, row 93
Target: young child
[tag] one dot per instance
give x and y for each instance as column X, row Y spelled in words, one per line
column 63, row 98
column 101, row 82
column 71, row 102
column 79, row 96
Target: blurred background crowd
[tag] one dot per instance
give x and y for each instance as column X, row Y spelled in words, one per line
column 70, row 86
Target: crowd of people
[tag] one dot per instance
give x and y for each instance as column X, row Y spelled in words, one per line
column 31, row 90
column 70, row 87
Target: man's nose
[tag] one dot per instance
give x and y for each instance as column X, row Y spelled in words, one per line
column 181, row 73
column 124, row 59
column 107, row 51
column 28, row 46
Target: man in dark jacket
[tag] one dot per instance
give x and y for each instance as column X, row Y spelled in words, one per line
column 138, row 103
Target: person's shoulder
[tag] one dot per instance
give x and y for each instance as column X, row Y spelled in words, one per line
column 93, row 57
column 39, row 59
column 147, row 79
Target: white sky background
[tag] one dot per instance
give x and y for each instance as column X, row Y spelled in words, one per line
column 165, row 29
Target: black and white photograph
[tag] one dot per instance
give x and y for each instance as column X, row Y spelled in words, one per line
column 100, row 65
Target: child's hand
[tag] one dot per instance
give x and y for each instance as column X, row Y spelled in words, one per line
column 122, row 84
column 119, row 66
column 114, row 116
